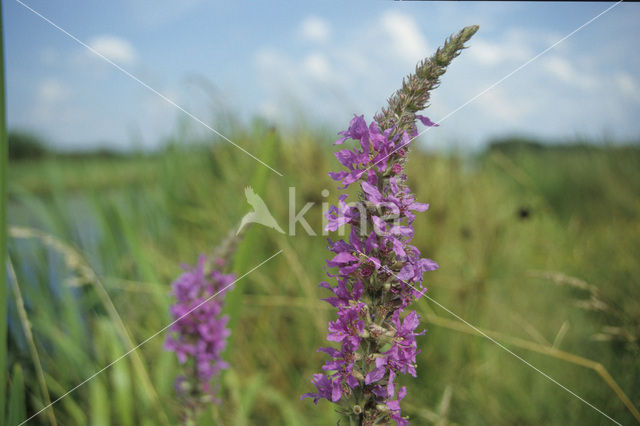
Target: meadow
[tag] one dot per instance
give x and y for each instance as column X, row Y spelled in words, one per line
column 538, row 247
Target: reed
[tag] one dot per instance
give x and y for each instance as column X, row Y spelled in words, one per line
column 4, row 153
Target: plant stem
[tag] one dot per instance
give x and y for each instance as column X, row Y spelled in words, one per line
column 28, row 335
column 4, row 151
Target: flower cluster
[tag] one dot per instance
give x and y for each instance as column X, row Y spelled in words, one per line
column 199, row 333
column 379, row 273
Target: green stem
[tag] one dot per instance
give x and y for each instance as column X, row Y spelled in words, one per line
column 3, row 227
column 35, row 357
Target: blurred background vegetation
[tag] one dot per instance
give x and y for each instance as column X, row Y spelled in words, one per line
column 538, row 246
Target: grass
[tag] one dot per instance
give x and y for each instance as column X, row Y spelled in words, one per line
column 95, row 244
column 4, row 153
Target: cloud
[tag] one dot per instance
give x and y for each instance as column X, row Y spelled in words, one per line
column 563, row 70
column 315, row 29
column 362, row 64
column 287, row 81
column 487, row 53
column 490, row 53
column 627, row 85
column 339, row 77
column 114, row 48
column 407, row 40
column 511, row 110
column 269, row 110
column 52, row 91
column 316, row 65
column 51, row 104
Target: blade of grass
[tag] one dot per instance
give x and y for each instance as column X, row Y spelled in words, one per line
column 290, row 415
column 4, row 152
column 301, row 303
column 72, row 410
column 120, row 375
column 250, row 392
column 246, row 248
column 545, row 350
column 26, row 325
column 308, row 288
column 75, row 261
column 99, row 397
column 17, row 408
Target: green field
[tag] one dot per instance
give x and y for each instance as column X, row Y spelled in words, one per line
column 539, row 247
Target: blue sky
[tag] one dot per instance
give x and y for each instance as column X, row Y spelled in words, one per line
column 326, row 60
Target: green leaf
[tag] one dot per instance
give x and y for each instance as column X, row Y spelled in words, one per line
column 99, row 402
column 17, row 408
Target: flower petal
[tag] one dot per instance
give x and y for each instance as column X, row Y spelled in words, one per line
column 375, row 375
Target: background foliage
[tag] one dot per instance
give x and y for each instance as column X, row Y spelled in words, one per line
column 536, row 244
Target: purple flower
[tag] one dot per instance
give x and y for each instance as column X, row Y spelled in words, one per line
column 378, row 275
column 198, row 334
column 349, row 327
column 394, row 406
column 343, row 295
column 357, row 130
column 325, row 389
column 375, row 375
column 341, row 215
column 426, row 121
column 402, row 355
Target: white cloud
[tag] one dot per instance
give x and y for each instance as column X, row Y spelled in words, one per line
column 292, row 84
column 496, row 53
column 269, row 110
column 316, row 65
column 487, row 53
column 315, row 29
column 563, row 70
column 361, row 65
column 498, row 103
column 114, row 48
column 51, row 103
column 627, row 85
column 52, row 91
column 407, row 40
column 339, row 77
column 514, row 46
column 266, row 57
column 559, row 67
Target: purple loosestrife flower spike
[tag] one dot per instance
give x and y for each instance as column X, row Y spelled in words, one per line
column 200, row 333
column 414, row 94
column 379, row 273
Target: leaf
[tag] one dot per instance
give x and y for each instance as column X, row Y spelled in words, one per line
column 99, row 402
column 16, row 409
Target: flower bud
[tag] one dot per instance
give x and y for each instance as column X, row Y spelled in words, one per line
column 358, row 375
column 382, row 408
column 376, row 330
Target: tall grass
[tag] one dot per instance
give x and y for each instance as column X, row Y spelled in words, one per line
column 133, row 220
column 4, row 153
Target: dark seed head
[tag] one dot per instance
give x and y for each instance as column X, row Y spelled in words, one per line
column 524, row 213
